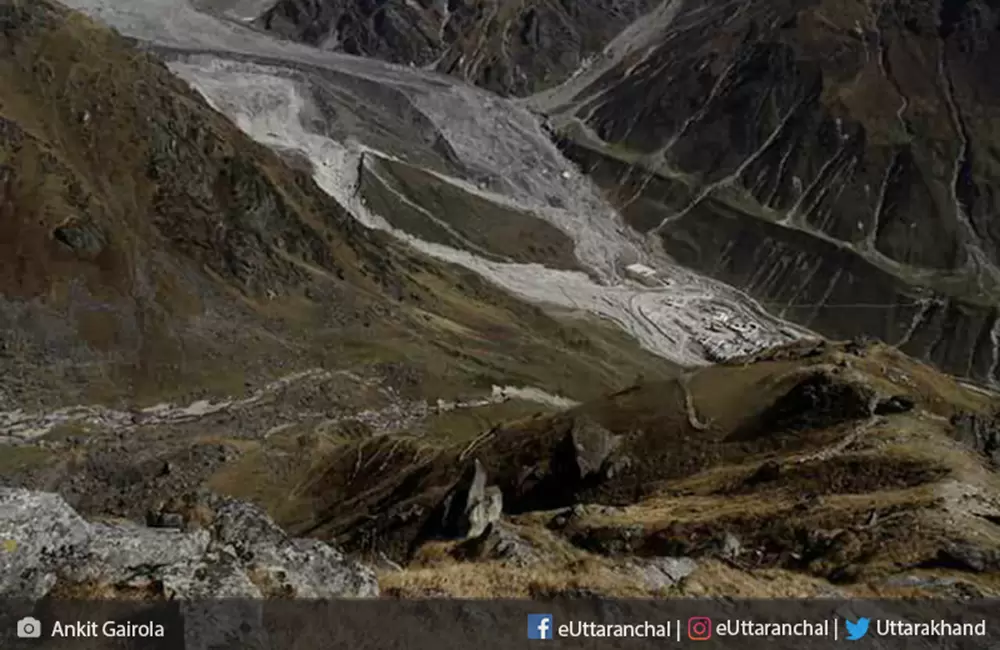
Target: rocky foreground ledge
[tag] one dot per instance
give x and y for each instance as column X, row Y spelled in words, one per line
column 46, row 548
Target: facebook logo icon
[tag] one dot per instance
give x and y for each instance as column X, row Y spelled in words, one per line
column 540, row 626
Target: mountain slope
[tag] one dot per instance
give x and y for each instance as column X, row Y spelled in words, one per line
column 509, row 47
column 420, row 415
column 362, row 125
column 152, row 251
column 810, row 470
column 836, row 160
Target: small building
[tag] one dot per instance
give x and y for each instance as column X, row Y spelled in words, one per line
column 642, row 273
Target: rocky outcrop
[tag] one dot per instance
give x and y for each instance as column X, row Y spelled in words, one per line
column 967, row 556
column 820, row 399
column 84, row 239
column 40, row 536
column 979, row 432
column 503, row 543
column 115, row 552
column 242, row 554
column 575, row 458
column 469, row 507
column 300, row 568
column 663, row 573
column 588, row 449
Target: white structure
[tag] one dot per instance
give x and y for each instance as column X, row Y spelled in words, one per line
column 641, row 273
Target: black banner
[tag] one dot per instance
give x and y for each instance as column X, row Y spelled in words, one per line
column 499, row 625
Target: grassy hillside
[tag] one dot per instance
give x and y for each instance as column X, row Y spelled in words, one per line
column 807, row 469
column 155, row 252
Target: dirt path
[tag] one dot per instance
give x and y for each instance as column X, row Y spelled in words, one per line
column 20, row 426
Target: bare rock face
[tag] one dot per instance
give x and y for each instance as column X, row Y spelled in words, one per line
column 819, row 400
column 40, row 533
column 470, row 507
column 501, row 542
column 241, row 526
column 508, row 47
column 85, row 239
column 115, row 550
column 243, row 554
column 969, row 557
column 486, row 511
column 664, row 572
column 213, row 576
column 590, row 446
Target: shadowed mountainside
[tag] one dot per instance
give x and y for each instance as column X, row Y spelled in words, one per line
column 838, row 160
column 504, row 46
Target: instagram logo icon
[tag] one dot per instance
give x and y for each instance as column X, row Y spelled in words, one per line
column 699, row 628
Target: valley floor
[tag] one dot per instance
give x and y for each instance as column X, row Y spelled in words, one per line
column 297, row 99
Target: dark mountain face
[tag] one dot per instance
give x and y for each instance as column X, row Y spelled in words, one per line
column 508, row 47
column 838, row 160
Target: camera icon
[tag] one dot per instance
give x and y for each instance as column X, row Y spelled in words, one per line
column 29, row 628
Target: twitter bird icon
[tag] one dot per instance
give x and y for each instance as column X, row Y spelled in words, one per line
column 856, row 629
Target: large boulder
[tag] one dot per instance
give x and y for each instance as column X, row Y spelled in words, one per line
column 39, row 535
column 281, row 566
column 242, row 554
column 587, row 450
column 469, row 508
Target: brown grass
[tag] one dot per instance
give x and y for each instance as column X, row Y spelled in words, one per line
column 109, row 139
column 19, row 459
column 496, row 580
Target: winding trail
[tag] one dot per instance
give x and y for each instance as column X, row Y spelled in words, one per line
column 20, row 426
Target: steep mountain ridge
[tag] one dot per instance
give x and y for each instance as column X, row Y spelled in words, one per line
column 512, row 48
column 155, row 250
column 836, row 160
